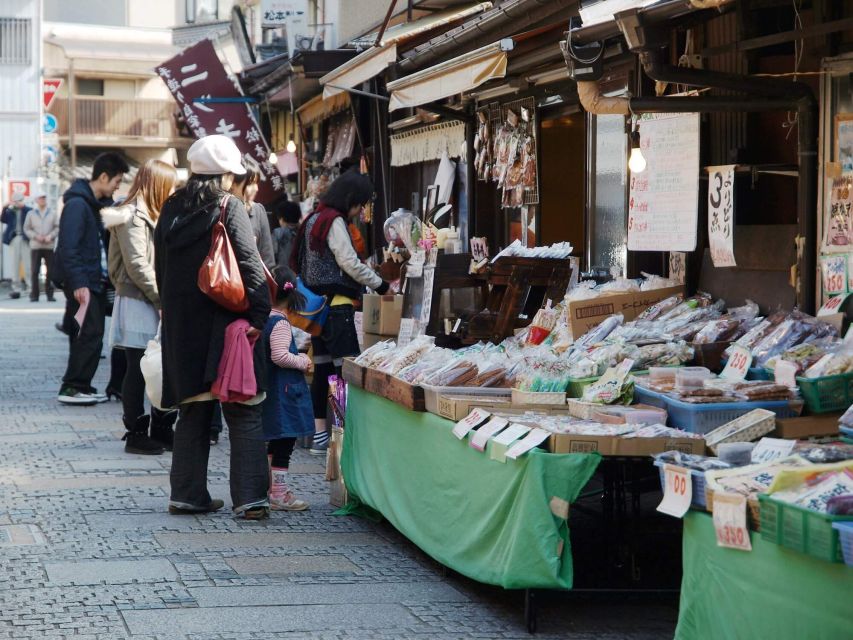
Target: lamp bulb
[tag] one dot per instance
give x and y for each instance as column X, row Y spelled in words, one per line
column 636, row 162
column 273, row 157
column 291, row 146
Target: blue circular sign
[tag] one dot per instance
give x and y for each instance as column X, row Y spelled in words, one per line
column 49, row 123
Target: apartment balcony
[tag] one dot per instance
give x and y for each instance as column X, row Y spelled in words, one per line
column 125, row 123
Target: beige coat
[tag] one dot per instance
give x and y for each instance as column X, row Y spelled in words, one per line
column 41, row 223
column 131, row 255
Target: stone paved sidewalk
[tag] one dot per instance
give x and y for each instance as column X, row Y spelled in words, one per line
column 87, row 550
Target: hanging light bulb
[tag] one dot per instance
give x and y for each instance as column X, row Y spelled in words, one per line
column 291, row 145
column 273, row 158
column 636, row 161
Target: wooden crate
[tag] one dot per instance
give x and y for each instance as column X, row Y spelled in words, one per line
column 398, row 391
column 353, row 373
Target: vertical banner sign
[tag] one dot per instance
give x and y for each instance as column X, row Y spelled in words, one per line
column 49, row 87
column 721, row 219
column 839, row 219
column 197, row 73
column 834, row 271
column 677, row 266
column 663, row 205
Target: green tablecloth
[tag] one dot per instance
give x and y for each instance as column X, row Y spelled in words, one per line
column 769, row 592
column 498, row 523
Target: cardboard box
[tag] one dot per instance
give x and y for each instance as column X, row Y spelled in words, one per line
column 628, row 447
column 807, row 426
column 457, row 407
column 370, row 313
column 587, row 314
column 390, row 313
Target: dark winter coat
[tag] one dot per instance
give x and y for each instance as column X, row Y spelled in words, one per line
column 263, row 236
column 193, row 329
column 77, row 261
column 9, row 217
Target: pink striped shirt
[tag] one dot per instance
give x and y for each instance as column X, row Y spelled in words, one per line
column 280, row 340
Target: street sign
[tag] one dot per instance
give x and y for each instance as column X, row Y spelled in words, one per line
column 21, row 186
column 49, row 123
column 49, row 88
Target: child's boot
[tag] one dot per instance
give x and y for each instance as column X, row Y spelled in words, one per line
column 281, row 497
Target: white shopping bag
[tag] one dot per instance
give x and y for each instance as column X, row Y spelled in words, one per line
column 152, row 370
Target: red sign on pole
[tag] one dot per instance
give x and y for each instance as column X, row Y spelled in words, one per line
column 49, row 87
column 211, row 102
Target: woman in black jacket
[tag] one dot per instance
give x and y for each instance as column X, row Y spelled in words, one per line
column 193, row 333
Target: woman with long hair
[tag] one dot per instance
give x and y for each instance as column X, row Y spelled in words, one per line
column 193, row 333
column 136, row 311
column 325, row 258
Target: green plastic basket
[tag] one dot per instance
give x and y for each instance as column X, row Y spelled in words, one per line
column 577, row 385
column 828, row 393
column 801, row 529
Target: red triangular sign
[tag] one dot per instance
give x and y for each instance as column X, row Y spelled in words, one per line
column 49, row 87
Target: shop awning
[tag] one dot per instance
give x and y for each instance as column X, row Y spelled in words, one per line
column 319, row 108
column 458, row 75
column 375, row 59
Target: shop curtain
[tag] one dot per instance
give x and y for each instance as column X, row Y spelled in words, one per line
column 429, row 143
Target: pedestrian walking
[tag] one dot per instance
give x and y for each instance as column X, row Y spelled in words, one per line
column 287, row 215
column 41, row 228
column 194, row 328
column 327, row 261
column 14, row 216
column 80, row 270
column 288, row 413
column 136, row 310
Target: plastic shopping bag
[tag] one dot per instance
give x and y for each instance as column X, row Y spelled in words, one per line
column 152, row 370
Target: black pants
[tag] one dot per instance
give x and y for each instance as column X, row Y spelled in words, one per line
column 281, row 450
column 339, row 340
column 84, row 349
column 133, row 386
column 36, row 256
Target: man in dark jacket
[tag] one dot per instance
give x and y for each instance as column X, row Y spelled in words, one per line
column 14, row 216
column 80, row 270
column 288, row 214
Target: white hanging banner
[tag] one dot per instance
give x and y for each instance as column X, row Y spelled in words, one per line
column 663, row 207
column 721, row 214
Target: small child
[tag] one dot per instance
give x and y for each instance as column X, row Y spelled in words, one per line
column 287, row 410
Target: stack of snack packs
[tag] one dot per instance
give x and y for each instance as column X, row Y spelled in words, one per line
column 825, row 488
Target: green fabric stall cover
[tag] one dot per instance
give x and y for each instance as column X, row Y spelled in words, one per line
column 769, row 592
column 487, row 520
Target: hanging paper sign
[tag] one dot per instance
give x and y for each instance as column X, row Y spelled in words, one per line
column 471, row 421
column 738, row 365
column 486, row 432
column 721, row 219
column 834, row 270
column 839, row 222
column 730, row 521
column 407, row 330
column 677, row 266
column 663, row 205
column 532, row 440
column 426, row 307
column 677, row 491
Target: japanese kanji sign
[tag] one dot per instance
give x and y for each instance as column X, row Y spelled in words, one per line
column 663, row 203
column 201, row 87
column 721, row 215
column 276, row 13
column 839, row 219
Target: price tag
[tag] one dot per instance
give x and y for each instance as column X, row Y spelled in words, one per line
column 833, row 305
column 457, row 325
column 769, row 449
column 407, row 328
column 834, row 269
column 730, row 521
column 471, row 421
column 533, row 439
column 738, row 364
column 678, row 491
column 786, row 373
column 486, row 432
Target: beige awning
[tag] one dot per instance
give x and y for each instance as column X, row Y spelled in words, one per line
column 366, row 65
column 375, row 59
column 318, row 108
column 449, row 78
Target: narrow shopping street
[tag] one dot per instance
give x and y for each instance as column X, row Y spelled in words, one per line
column 87, row 550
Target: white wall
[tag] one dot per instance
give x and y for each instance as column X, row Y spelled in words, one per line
column 20, row 98
column 154, row 13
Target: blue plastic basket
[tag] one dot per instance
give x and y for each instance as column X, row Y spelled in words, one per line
column 845, row 537
column 698, row 480
column 846, row 431
column 649, row 397
column 702, row 418
column 753, row 373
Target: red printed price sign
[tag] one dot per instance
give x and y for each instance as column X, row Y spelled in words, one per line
column 677, row 492
column 738, row 364
column 730, row 521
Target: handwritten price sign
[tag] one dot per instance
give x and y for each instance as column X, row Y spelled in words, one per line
column 678, row 491
column 834, row 269
column 738, row 364
column 730, row 521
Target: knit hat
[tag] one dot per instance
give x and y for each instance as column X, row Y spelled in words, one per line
column 215, row 154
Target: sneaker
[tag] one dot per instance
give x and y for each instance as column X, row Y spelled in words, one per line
column 215, row 505
column 256, row 513
column 68, row 395
column 320, row 444
column 287, row 502
column 15, row 295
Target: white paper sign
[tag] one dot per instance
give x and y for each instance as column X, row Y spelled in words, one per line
column 785, row 373
column 407, row 330
column 485, row 433
column 738, row 364
column 832, row 306
column 677, row 492
column 677, row 266
column 533, row 439
column 834, row 271
column 476, row 417
column 769, row 449
column 505, row 439
column 721, row 215
column 730, row 521
column 663, row 206
column 426, row 307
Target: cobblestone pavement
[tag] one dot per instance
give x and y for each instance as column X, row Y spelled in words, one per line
column 88, row 552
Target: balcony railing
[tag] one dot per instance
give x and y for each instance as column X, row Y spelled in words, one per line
column 106, row 117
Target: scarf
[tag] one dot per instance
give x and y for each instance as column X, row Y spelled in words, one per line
column 319, row 233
